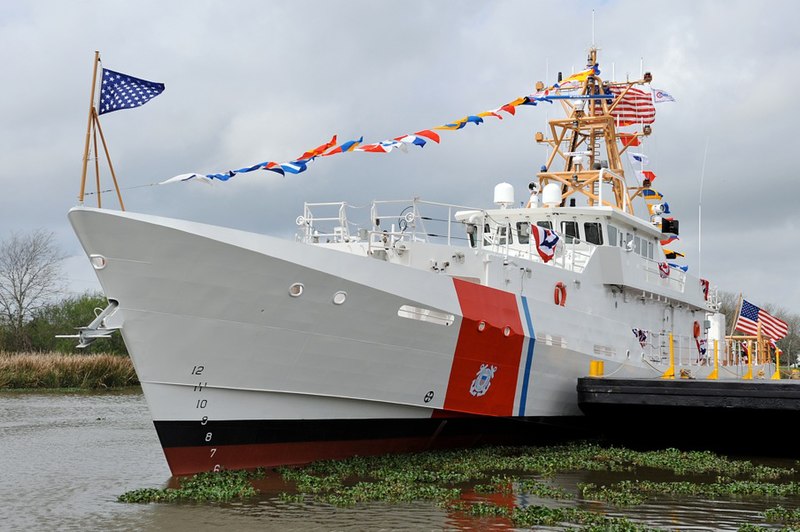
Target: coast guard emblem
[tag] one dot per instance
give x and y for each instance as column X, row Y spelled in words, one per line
column 482, row 380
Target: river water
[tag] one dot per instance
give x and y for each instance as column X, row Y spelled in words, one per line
column 64, row 459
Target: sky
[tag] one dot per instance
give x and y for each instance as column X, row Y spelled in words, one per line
column 249, row 81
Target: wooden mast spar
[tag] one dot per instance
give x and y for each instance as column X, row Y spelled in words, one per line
column 89, row 127
column 92, row 128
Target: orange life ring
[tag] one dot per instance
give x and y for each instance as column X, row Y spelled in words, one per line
column 696, row 329
column 560, row 294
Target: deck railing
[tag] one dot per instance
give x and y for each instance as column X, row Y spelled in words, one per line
column 676, row 280
column 689, row 357
column 414, row 220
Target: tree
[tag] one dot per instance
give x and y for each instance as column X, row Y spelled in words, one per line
column 62, row 317
column 30, row 267
column 729, row 305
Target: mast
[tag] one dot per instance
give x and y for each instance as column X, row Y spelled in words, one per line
column 585, row 141
column 89, row 124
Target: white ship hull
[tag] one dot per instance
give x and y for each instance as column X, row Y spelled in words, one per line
column 238, row 372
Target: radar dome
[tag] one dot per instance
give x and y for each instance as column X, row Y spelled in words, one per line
column 504, row 194
column 551, row 195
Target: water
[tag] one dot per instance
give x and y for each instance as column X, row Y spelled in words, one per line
column 64, row 459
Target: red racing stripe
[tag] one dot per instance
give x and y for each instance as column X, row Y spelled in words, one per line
column 483, row 377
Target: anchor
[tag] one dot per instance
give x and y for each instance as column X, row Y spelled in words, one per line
column 96, row 329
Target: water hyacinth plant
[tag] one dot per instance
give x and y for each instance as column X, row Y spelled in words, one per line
column 487, row 483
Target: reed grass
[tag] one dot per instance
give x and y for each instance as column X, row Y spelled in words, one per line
column 56, row 370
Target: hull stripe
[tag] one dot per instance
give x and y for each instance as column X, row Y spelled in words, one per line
column 191, row 447
column 529, row 358
column 485, row 371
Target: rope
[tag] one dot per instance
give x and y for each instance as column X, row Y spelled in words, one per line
column 121, row 189
column 652, row 366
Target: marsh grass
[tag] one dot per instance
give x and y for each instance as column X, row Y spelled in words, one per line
column 55, row 370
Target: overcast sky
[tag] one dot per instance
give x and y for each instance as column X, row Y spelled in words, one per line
column 248, row 81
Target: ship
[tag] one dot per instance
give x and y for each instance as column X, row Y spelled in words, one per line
column 428, row 325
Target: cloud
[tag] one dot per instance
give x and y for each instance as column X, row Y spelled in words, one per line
column 250, row 81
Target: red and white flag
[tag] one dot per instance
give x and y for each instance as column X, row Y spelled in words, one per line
column 636, row 107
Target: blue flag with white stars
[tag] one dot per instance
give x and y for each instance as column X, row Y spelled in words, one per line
column 121, row 91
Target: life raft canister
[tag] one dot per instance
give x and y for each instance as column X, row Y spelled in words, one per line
column 696, row 329
column 560, row 294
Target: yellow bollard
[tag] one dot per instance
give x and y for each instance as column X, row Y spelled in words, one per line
column 714, row 375
column 777, row 375
column 670, row 373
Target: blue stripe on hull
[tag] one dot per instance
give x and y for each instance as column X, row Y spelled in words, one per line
column 529, row 358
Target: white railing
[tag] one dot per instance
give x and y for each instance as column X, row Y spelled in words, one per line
column 676, row 279
column 572, row 256
column 391, row 220
column 332, row 226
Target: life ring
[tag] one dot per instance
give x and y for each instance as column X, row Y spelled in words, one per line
column 560, row 294
column 696, row 329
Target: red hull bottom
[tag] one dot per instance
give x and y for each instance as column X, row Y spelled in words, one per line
column 189, row 460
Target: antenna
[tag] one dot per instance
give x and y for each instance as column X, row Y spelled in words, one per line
column 593, row 42
column 700, row 214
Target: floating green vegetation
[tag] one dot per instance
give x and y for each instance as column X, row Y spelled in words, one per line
column 465, row 481
column 215, row 487
column 537, row 515
column 475, row 465
column 779, row 514
column 511, row 484
column 629, row 493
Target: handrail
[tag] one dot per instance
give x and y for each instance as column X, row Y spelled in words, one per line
column 676, row 276
column 685, row 354
column 411, row 221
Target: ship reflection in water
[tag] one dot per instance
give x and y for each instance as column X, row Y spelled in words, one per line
column 66, row 458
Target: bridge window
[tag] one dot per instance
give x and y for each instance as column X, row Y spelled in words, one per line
column 497, row 236
column 570, row 231
column 593, row 233
column 612, row 235
column 546, row 224
column 523, row 232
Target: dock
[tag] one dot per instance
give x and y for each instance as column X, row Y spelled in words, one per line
column 735, row 415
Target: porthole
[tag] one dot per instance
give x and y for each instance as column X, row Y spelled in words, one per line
column 98, row 261
column 507, row 331
column 481, row 326
column 339, row 298
column 296, row 290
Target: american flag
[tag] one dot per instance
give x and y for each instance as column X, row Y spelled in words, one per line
column 636, row 107
column 121, row 91
column 750, row 316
